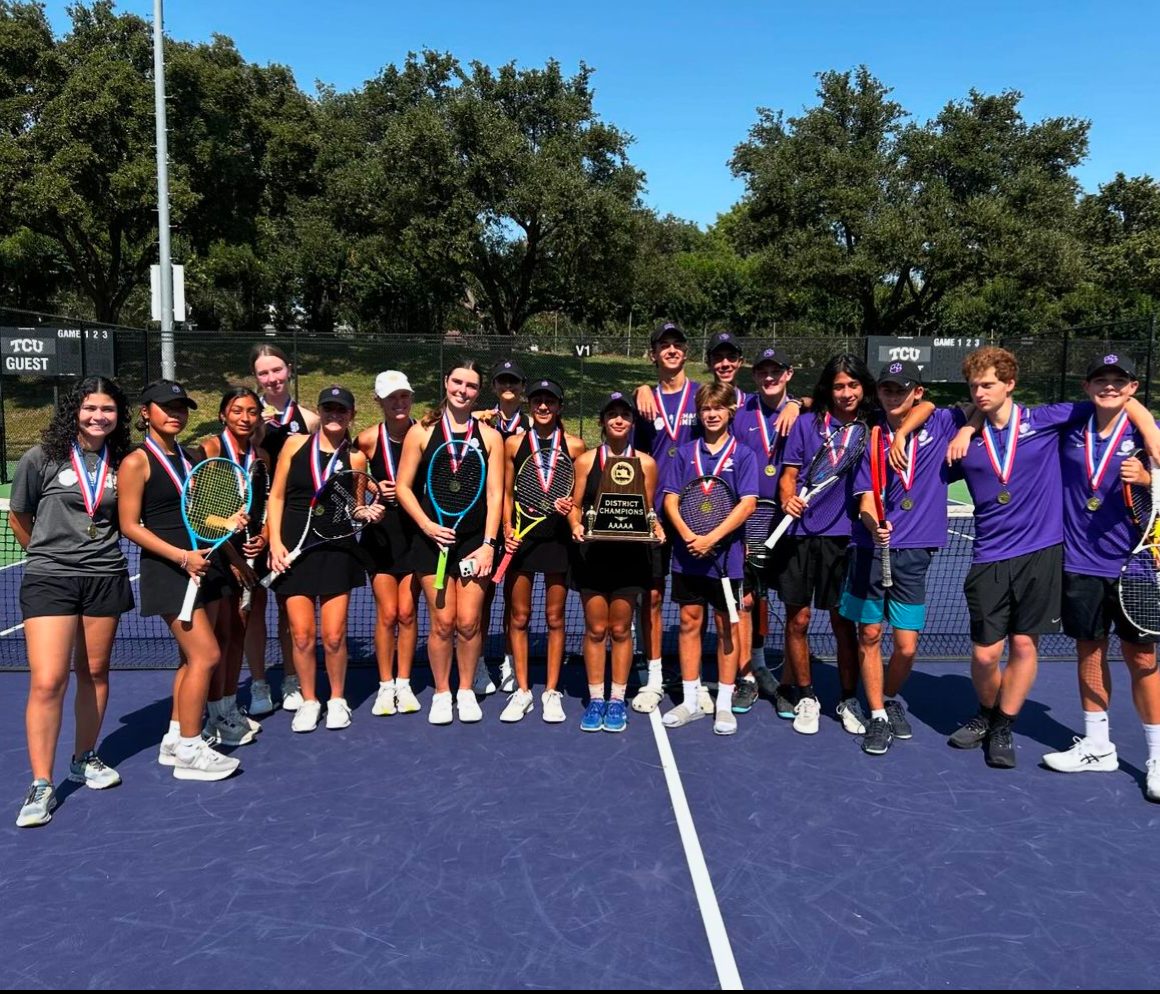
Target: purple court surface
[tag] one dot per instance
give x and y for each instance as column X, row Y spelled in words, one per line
column 396, row 854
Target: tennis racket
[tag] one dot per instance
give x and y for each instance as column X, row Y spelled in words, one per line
column 703, row 505
column 1140, row 576
column 214, row 493
column 455, row 477
column 337, row 510
column 757, row 528
column 840, row 451
column 878, row 488
column 538, row 485
column 259, row 491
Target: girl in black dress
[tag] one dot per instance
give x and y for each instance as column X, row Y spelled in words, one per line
column 457, row 610
column 385, row 547
column 327, row 573
column 149, row 508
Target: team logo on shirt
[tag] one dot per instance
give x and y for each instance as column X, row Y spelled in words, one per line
column 923, row 437
column 294, row 426
column 1127, row 445
column 67, row 477
column 1024, row 428
column 658, row 422
column 473, row 442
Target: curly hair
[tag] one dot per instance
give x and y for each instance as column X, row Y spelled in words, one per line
column 61, row 431
column 1005, row 364
column 854, row 367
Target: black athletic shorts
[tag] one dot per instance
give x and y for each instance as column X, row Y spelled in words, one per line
column 703, row 590
column 1091, row 609
column 813, row 570
column 88, row 596
column 1018, row 596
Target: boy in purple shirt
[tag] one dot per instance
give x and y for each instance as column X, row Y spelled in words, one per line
column 916, row 526
column 1014, row 586
column 812, row 555
column 1096, row 458
column 672, row 423
column 696, row 583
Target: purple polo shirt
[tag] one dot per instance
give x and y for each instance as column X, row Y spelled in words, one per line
column 746, row 428
column 1096, row 542
column 924, row 525
column 829, row 513
column 1033, row 519
column 652, row 436
column 740, row 472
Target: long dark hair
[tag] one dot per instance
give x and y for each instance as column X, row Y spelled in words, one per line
column 234, row 393
column 855, row 367
column 433, row 415
column 61, row 431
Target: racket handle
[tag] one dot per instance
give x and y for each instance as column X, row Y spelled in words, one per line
column 887, row 572
column 441, row 569
column 498, row 575
column 730, row 600
column 190, row 599
column 247, row 593
column 783, row 525
column 273, row 575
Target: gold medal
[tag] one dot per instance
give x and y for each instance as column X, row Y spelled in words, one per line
column 1094, row 503
column 672, row 451
column 269, row 411
column 706, row 506
column 1004, row 497
column 906, row 504
column 453, row 486
column 92, row 529
column 770, row 470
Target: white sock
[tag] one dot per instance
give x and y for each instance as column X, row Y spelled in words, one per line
column 692, row 690
column 1152, row 737
column 1095, row 728
column 596, row 691
column 724, row 697
column 386, row 685
column 618, row 691
column 879, row 713
column 402, row 681
column 174, row 730
column 655, row 675
column 187, row 747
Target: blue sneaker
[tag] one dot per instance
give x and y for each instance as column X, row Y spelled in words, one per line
column 593, row 720
column 615, row 716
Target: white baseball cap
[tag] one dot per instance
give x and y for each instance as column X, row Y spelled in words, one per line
column 390, row 380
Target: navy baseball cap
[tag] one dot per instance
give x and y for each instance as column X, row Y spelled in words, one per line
column 166, row 392
column 903, row 372
column 614, row 398
column 545, row 386
column 1112, row 360
column 507, row 367
column 668, row 328
column 337, row 395
column 772, row 354
column 722, row 340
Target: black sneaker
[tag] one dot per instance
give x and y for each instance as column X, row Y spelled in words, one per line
column 744, row 696
column 971, row 735
column 1000, row 751
column 877, row 738
column 785, row 700
column 766, row 682
column 899, row 726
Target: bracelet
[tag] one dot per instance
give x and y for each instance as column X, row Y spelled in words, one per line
column 184, row 560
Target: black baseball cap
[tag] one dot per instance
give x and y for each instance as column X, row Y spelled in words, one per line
column 337, row 395
column 166, row 392
column 1112, row 360
column 668, row 328
column 507, row 367
column 723, row 339
column 545, row 386
column 903, row 372
column 772, row 354
column 614, row 398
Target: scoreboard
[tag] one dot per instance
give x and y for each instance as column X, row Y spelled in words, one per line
column 940, row 359
column 50, row 352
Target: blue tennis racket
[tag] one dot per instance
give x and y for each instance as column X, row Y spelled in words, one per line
column 213, row 495
column 455, row 478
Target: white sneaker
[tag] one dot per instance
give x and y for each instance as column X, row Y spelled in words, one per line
column 1152, row 780
column 337, row 714
column 167, row 752
column 261, row 701
column 231, row 731
column 805, row 716
column 507, row 678
column 468, row 706
column 482, row 685
column 384, row 700
column 203, row 763
column 725, row 723
column 91, row 770
column 553, row 704
column 1082, row 757
column 850, row 713
column 306, row 717
column 405, row 701
column 705, row 701
column 441, row 713
column 291, row 694
column 518, row 705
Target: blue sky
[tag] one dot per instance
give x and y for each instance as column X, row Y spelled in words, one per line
column 684, row 79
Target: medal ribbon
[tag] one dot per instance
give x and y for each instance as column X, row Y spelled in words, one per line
column 770, row 440
column 91, row 486
column 1003, row 471
column 508, row 427
column 907, row 478
column 231, row 452
column 1096, row 472
column 673, row 428
column 317, row 474
column 283, row 419
column 449, row 436
column 603, row 454
column 557, row 446
column 167, row 465
column 726, row 452
column 830, row 441
column 388, row 455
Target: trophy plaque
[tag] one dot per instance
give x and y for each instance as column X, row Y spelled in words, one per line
column 620, row 512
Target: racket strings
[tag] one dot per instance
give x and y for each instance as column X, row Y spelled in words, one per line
column 454, row 485
column 529, row 486
column 839, row 452
column 334, row 514
column 705, row 504
column 216, row 491
column 1140, row 589
column 758, row 527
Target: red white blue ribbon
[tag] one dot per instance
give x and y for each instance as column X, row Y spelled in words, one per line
column 1003, row 471
column 1096, row 472
column 673, row 427
column 166, row 464
column 318, row 475
column 726, row 452
column 92, row 485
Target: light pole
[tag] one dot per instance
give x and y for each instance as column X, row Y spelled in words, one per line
column 168, row 364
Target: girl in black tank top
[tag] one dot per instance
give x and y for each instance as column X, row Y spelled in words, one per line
column 149, row 502
column 457, row 609
column 545, row 549
column 329, row 571
column 386, row 547
column 609, row 575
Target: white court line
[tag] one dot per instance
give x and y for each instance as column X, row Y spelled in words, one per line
column 16, row 628
column 723, row 960
column 12, row 565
